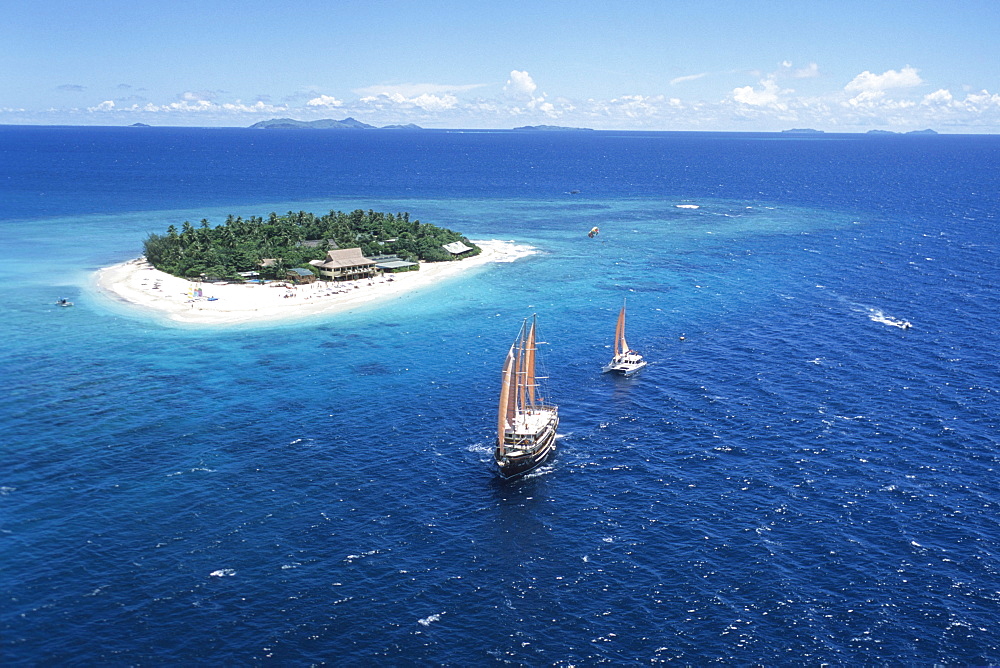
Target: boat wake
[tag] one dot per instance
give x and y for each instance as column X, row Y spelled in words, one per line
column 875, row 315
column 538, row 472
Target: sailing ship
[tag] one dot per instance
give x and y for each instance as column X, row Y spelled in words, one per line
column 626, row 361
column 526, row 425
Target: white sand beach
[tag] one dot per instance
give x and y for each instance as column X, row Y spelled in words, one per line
column 136, row 282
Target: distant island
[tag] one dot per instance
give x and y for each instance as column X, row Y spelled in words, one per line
column 298, row 242
column 326, row 124
column 802, row 131
column 548, row 128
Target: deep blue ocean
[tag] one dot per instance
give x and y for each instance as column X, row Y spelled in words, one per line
column 794, row 480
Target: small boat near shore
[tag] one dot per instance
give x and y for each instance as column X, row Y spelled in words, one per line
column 626, row 361
column 64, row 302
column 526, row 424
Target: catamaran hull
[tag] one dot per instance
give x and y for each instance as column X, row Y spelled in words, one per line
column 511, row 466
column 622, row 370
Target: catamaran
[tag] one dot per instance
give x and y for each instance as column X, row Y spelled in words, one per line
column 626, row 361
column 526, row 425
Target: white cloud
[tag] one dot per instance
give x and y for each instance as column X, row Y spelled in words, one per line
column 520, row 85
column 876, row 99
column 867, row 82
column 435, row 102
column 425, row 101
column 767, row 96
column 689, row 77
column 520, row 89
column 324, row 101
column 258, row 107
column 641, row 109
column 633, row 106
column 941, row 96
column 981, row 102
column 189, row 105
column 871, row 88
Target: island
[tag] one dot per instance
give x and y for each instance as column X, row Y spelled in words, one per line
column 274, row 245
column 325, row 124
column 258, row 269
column 802, row 131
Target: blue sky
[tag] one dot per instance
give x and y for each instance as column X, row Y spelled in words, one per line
column 747, row 65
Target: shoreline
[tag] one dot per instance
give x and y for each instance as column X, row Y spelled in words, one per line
column 137, row 283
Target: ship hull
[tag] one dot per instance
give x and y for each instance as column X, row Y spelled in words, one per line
column 512, row 465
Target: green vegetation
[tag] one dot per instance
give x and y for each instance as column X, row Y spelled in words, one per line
column 241, row 244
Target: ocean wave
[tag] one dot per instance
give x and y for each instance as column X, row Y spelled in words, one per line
column 427, row 621
column 353, row 557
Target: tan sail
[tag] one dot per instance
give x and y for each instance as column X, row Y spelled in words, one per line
column 521, row 360
column 621, row 346
column 529, row 376
column 512, row 390
column 505, row 410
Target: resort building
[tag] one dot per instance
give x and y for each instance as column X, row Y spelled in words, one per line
column 392, row 263
column 456, row 248
column 300, row 275
column 345, row 264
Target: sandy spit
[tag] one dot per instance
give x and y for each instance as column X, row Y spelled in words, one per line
column 137, row 283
